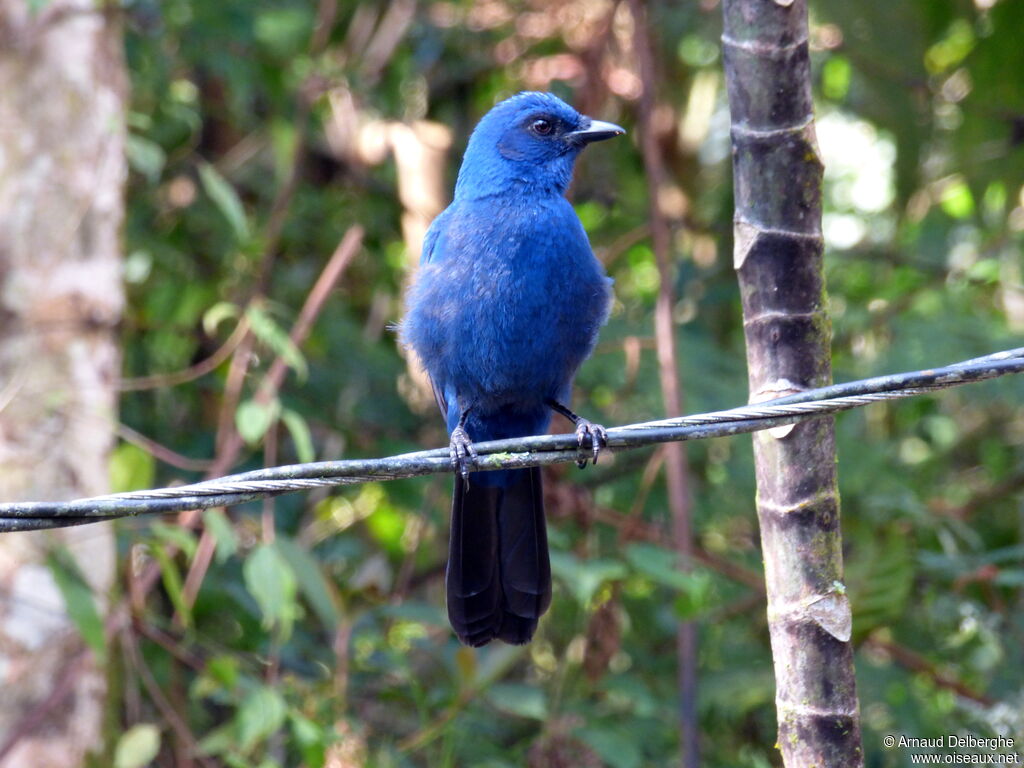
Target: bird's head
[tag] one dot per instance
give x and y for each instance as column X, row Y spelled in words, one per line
column 531, row 139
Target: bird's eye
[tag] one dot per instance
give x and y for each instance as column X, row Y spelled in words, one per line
column 542, row 127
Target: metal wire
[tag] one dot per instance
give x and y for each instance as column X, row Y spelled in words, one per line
column 532, row 451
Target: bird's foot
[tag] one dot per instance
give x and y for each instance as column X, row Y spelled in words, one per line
column 462, row 453
column 589, row 432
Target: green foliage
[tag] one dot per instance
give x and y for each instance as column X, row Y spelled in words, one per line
column 131, row 468
column 79, row 601
column 137, row 746
column 317, row 635
column 272, row 583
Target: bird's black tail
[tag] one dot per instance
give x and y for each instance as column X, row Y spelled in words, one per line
column 499, row 574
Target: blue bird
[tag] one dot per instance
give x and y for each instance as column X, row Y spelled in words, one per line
column 506, row 305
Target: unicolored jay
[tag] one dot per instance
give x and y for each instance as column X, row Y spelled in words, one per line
column 506, row 305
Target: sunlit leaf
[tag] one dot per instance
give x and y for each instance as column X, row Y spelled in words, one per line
column 301, row 437
column 218, row 313
column 217, row 523
column 317, row 590
column 261, row 715
column 957, row 200
column 584, row 577
column 179, row 537
column 145, row 156
column 225, row 198
column 137, row 746
column 272, row 582
column 131, row 468
column 253, row 418
column 270, row 333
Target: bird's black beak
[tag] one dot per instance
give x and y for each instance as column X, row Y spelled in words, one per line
column 594, row 130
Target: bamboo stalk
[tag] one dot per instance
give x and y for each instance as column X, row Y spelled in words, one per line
column 777, row 173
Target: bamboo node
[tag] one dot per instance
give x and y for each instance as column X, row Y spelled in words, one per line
column 832, row 613
column 744, row 236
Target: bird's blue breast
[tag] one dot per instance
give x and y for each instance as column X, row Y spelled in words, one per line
column 507, row 305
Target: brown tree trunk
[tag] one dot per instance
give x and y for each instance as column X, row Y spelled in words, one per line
column 62, row 169
column 778, row 258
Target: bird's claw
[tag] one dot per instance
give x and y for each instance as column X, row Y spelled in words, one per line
column 462, row 453
column 595, row 434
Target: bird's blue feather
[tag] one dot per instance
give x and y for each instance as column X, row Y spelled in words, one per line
column 505, row 307
column 509, row 297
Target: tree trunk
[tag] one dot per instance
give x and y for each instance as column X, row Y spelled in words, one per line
column 62, row 169
column 778, row 258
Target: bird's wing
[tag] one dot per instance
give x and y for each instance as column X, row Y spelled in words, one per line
column 439, row 398
column 434, row 231
column 430, row 241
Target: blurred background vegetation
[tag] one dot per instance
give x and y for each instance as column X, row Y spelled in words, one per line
column 311, row 631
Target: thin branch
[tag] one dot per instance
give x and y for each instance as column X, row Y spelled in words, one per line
column 915, row 662
column 274, row 378
column 193, row 372
column 175, row 720
column 271, row 384
column 640, row 530
column 326, row 12
column 676, row 466
column 161, row 452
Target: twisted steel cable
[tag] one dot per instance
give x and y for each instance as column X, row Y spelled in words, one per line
column 537, row 450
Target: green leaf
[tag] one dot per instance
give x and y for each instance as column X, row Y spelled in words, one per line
column 661, row 566
column 225, row 198
column 316, row 588
column 78, row 599
column 131, row 468
column 219, row 312
column 137, row 747
column 284, row 30
column 253, row 419
column 658, row 564
column 261, row 715
column 224, row 669
column 274, row 336
column 220, row 675
column 145, row 156
column 172, row 581
column 219, row 740
column 310, row 738
column 176, row 536
column 217, row 523
column 271, row 581
column 957, row 200
column 585, row 577
column 835, row 77
column 300, row 433
column 695, row 597
column 615, row 746
column 880, row 581
column 283, row 138
column 519, row 699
